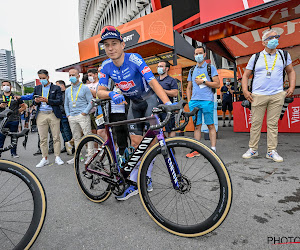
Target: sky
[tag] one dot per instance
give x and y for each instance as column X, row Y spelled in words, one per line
column 45, row 35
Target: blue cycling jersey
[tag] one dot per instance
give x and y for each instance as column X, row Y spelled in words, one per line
column 132, row 78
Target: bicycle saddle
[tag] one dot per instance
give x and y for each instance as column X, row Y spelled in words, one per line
column 171, row 108
column 5, row 113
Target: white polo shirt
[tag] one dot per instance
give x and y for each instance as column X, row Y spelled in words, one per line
column 263, row 85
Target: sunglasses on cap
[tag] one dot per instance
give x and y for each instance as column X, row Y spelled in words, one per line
column 109, row 28
column 272, row 37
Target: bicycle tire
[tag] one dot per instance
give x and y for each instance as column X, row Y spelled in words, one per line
column 27, row 184
column 213, row 205
column 83, row 181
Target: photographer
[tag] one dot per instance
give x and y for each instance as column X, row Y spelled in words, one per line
column 267, row 92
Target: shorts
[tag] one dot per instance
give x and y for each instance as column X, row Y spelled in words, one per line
column 227, row 106
column 206, row 108
column 93, row 122
column 140, row 109
column 170, row 124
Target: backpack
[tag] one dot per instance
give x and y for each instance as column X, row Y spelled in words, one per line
column 208, row 72
column 285, row 55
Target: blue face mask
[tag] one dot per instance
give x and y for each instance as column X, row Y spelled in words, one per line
column 199, row 58
column 44, row 81
column 272, row 44
column 160, row 71
column 73, row 79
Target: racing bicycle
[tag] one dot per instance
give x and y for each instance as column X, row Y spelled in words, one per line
column 22, row 197
column 189, row 197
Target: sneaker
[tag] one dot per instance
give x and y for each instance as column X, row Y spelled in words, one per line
column 42, row 163
column 193, row 154
column 58, row 160
column 130, row 191
column 149, row 184
column 71, row 162
column 250, row 153
column 69, row 148
column 224, row 125
column 15, row 156
column 229, row 124
column 274, row 156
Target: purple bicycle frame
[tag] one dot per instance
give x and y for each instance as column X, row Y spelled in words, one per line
column 171, row 163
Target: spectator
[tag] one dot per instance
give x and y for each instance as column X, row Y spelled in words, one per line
column 64, row 123
column 93, row 79
column 77, row 107
column 47, row 98
column 240, row 95
column 17, row 106
column 201, row 84
column 267, row 92
column 226, row 97
column 170, row 86
column 85, row 79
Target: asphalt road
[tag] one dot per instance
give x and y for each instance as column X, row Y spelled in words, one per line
column 266, row 204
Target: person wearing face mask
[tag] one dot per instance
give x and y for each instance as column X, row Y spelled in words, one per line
column 93, row 83
column 170, row 86
column 48, row 98
column 18, row 106
column 200, row 94
column 77, row 107
column 267, row 92
column 226, row 97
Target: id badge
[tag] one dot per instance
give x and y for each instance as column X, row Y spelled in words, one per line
column 99, row 120
column 269, row 74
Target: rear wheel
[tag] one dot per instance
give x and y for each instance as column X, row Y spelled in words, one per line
column 204, row 198
column 22, row 206
column 88, row 152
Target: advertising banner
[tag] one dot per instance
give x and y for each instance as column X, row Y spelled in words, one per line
column 289, row 124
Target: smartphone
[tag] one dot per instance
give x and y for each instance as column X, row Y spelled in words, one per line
column 36, row 96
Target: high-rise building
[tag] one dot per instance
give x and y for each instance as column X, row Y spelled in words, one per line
column 7, row 66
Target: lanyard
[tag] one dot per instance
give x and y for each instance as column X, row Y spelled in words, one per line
column 267, row 67
column 5, row 100
column 76, row 93
column 43, row 92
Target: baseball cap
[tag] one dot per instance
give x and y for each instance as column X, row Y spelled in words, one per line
column 110, row 32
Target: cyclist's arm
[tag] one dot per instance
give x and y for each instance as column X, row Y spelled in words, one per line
column 102, row 92
column 159, row 91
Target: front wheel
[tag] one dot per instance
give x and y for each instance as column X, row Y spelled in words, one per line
column 89, row 153
column 23, row 206
column 203, row 201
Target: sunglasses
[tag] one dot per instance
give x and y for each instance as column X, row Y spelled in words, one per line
column 272, row 37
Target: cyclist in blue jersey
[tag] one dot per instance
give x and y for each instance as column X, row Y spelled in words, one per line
column 136, row 81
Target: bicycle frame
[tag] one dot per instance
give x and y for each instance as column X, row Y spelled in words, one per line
column 171, row 163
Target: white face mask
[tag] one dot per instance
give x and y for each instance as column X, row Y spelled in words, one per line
column 91, row 79
column 6, row 89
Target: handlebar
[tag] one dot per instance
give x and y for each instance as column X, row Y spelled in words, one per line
column 169, row 109
column 15, row 137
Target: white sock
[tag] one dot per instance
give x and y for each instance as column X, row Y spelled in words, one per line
column 213, row 148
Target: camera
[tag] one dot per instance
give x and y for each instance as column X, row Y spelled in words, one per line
column 246, row 104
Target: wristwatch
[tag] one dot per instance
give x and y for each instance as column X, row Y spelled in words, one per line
column 204, row 82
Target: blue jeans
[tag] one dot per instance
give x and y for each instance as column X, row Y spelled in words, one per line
column 13, row 127
column 65, row 129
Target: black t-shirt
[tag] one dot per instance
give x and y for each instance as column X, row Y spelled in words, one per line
column 168, row 83
column 13, row 105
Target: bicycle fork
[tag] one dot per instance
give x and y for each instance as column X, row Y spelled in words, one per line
column 171, row 163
